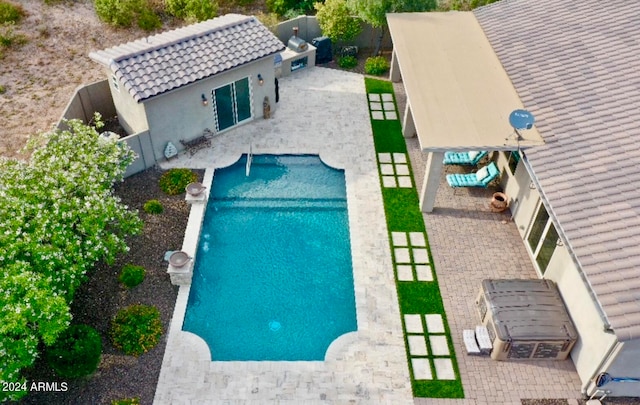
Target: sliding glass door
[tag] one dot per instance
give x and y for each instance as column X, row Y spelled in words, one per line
column 542, row 238
column 232, row 104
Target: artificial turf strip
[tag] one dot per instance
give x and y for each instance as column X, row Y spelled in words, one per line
column 403, row 214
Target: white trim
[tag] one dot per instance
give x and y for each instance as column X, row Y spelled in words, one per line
column 234, row 103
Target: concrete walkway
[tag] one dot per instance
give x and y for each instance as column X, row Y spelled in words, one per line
column 470, row 243
column 321, row 111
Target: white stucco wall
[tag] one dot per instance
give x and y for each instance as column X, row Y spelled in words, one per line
column 523, row 201
column 594, row 342
column 179, row 114
column 131, row 114
column 625, row 364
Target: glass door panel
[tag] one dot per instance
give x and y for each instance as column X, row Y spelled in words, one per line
column 547, row 248
column 243, row 99
column 537, row 227
column 224, row 107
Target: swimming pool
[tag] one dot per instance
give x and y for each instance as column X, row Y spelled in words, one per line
column 273, row 276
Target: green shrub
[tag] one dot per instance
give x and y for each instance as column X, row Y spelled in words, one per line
column 153, row 207
column 376, row 65
column 9, row 38
column 116, row 12
column 10, row 12
column 136, row 329
column 3, row 89
column 131, row 275
column 293, row 13
column 148, row 20
column 269, row 20
column 174, row 181
column 122, row 13
column 348, row 62
column 289, row 7
column 126, row 401
column 192, row 10
column 76, row 353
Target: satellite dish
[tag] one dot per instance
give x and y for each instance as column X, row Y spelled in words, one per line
column 521, row 119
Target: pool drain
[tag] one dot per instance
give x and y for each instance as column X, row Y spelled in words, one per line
column 274, row 326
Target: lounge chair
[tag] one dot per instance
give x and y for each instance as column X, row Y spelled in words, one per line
column 470, row 158
column 481, row 178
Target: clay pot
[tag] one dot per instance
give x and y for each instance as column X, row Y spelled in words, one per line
column 499, row 202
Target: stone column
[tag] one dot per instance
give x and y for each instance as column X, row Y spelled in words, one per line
column 433, row 170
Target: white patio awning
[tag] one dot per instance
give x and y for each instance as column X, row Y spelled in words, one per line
column 459, row 94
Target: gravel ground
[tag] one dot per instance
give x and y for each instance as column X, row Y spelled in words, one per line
column 120, row 376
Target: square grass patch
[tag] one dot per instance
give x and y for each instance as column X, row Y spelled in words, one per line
column 387, row 136
column 420, row 298
column 378, row 86
column 437, row 388
column 401, row 207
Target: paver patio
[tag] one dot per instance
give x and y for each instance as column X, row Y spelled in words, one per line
column 470, row 243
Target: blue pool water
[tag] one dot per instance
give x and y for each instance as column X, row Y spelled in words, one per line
column 273, row 278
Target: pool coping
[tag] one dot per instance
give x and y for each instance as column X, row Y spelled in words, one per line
column 369, row 365
column 184, row 277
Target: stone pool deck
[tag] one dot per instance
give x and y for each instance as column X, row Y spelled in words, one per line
column 325, row 112
column 321, row 111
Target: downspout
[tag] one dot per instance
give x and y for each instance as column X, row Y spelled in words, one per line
column 614, row 346
column 543, row 198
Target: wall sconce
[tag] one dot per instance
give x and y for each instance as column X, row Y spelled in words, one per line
column 559, row 242
column 532, row 186
column 260, row 79
column 204, row 100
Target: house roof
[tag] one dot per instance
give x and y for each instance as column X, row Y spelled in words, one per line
column 576, row 67
column 450, row 71
column 154, row 65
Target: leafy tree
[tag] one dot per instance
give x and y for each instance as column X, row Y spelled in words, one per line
column 58, row 217
column 336, row 21
column 375, row 11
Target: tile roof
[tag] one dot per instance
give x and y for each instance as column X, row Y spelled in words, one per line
column 576, row 67
column 151, row 66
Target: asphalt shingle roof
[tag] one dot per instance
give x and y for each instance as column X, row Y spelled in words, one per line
column 172, row 59
column 576, row 67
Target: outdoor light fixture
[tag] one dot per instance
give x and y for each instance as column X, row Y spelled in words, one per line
column 260, row 79
column 532, row 186
column 559, row 242
column 204, row 100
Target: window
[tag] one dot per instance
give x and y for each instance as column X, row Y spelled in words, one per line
column 114, row 82
column 543, row 238
column 232, row 104
column 513, row 158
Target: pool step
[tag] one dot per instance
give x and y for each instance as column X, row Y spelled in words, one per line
column 280, row 203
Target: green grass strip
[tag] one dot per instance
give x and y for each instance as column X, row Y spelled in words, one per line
column 402, row 210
